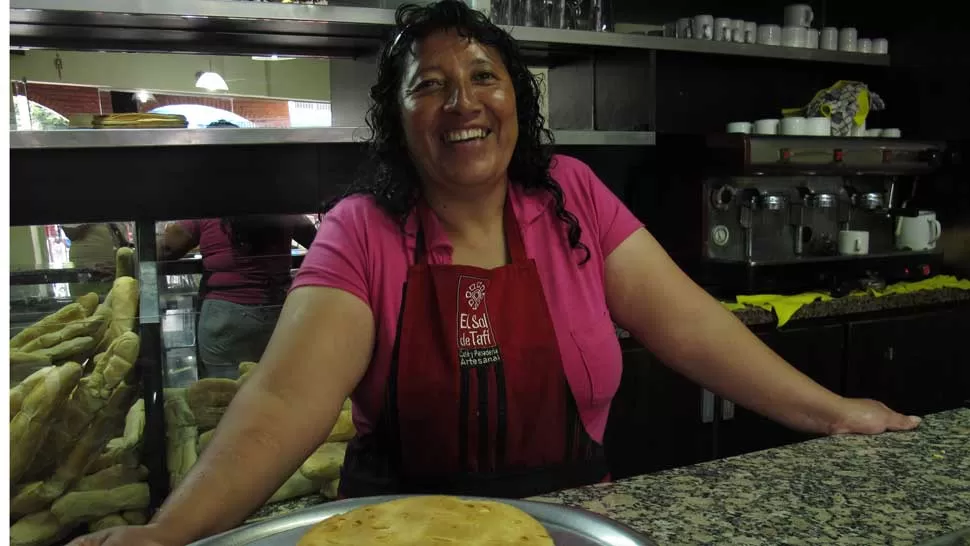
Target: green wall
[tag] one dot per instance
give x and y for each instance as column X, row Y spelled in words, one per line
column 302, row 79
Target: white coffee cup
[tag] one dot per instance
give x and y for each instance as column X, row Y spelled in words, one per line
column 864, row 45
column 873, row 133
column 794, row 36
column 722, row 29
column 769, row 35
column 737, row 31
column 750, row 32
column 853, row 243
column 880, row 46
column 848, row 39
column 820, row 126
column 799, row 15
column 829, row 39
column 811, row 38
column 793, row 125
column 919, row 232
column 892, row 133
column 703, row 28
column 739, row 127
column 684, row 27
column 766, row 127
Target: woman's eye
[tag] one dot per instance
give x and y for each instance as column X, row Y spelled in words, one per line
column 484, row 76
column 426, row 84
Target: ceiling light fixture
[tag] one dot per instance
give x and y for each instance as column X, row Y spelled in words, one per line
column 271, row 58
column 211, row 81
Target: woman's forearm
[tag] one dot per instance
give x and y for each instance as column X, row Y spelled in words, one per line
column 257, row 445
column 727, row 358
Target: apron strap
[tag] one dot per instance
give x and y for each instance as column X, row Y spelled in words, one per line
column 513, row 237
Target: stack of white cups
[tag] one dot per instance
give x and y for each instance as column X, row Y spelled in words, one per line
column 798, row 31
column 789, row 126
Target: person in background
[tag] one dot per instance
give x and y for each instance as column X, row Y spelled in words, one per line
column 246, row 273
column 93, row 246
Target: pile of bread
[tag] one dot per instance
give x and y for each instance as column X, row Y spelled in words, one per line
column 191, row 416
column 76, row 422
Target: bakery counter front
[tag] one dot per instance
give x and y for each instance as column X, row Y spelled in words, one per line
column 905, row 488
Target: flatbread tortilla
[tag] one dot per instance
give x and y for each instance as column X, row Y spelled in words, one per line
column 430, row 520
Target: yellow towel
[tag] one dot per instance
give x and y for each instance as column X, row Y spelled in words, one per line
column 785, row 307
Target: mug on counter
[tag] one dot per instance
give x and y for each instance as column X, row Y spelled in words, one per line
column 793, row 125
column 864, row 45
column 819, row 126
column 880, row 46
column 799, row 15
column 792, row 36
column 853, row 243
column 685, row 28
column 812, row 38
column 750, row 32
column 848, row 39
column 743, row 127
column 737, row 31
column 769, row 35
column 703, row 28
column 918, row 232
column 891, row 133
column 722, row 29
column 829, row 39
column 766, row 127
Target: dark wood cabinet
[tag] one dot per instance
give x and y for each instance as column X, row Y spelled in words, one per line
column 914, row 364
column 658, row 418
column 917, row 363
column 819, row 353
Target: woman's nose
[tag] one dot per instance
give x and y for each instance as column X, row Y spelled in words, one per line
column 461, row 98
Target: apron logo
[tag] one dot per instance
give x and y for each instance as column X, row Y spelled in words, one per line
column 476, row 342
column 475, row 294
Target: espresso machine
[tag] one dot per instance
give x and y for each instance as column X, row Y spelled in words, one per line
column 747, row 214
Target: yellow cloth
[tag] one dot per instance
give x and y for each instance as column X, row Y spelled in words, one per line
column 785, row 307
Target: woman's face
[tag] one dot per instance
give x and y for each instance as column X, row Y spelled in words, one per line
column 458, row 111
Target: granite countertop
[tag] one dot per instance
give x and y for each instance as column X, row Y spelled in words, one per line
column 899, row 488
column 849, row 305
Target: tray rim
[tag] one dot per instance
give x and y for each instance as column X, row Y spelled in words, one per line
column 311, row 515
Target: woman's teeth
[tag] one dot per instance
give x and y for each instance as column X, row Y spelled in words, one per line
column 465, row 134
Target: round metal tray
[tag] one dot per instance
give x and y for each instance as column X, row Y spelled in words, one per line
column 567, row 526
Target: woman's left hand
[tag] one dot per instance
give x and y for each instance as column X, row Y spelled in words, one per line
column 861, row 416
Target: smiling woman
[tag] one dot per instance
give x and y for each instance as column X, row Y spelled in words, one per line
column 468, row 312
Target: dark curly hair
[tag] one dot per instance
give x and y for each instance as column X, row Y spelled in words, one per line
column 391, row 177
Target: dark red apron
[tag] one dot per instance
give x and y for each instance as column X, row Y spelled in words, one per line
column 477, row 402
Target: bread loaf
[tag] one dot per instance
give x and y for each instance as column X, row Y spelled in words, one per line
column 208, row 399
column 89, row 302
column 20, row 391
column 124, row 262
column 124, row 303
column 39, row 529
column 48, row 324
column 85, row 505
column 343, row 430
column 67, row 349
column 204, row 440
column 112, row 477
column 324, row 464
column 29, row 428
column 35, row 496
column 79, row 328
column 331, row 489
column 296, row 486
column 135, row 517
column 181, row 435
column 107, row 522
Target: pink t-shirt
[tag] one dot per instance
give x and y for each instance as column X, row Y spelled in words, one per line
column 362, row 250
column 246, row 279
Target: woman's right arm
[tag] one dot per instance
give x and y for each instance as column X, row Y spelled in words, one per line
column 319, row 351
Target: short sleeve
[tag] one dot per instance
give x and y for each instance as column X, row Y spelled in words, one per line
column 338, row 256
column 613, row 221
